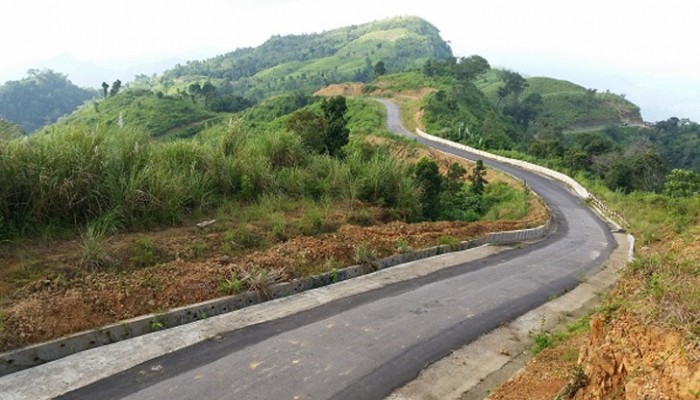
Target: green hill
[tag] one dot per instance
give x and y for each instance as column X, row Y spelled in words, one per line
column 40, row 99
column 309, row 62
column 568, row 104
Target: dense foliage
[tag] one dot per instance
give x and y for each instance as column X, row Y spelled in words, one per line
column 459, row 111
column 74, row 175
column 40, row 98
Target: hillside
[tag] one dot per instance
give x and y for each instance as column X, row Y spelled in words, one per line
column 311, row 61
column 160, row 116
column 568, row 104
column 39, row 99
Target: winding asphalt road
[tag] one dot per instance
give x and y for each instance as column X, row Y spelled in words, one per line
column 362, row 347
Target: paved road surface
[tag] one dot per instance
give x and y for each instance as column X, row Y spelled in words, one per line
column 364, row 346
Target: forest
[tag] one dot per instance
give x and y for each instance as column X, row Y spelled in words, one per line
column 41, row 98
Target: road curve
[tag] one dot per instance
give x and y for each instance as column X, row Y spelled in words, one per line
column 364, row 346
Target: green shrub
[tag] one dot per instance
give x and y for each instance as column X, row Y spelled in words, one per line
column 231, row 285
column 364, row 254
column 198, row 248
column 144, row 253
column 93, row 254
column 448, row 240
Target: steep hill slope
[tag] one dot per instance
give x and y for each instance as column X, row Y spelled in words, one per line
column 309, row 62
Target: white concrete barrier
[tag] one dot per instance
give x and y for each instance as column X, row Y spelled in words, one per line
column 577, row 188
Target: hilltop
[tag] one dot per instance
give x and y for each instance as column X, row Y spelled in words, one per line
column 309, row 62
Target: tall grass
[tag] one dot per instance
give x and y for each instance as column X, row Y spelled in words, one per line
column 665, row 275
column 74, row 176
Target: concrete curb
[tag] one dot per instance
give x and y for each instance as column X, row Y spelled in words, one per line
column 630, row 254
column 30, row 356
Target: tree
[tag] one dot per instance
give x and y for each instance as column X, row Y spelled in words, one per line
column 311, row 127
column 577, row 159
column 593, row 143
column 208, row 90
column 639, row 168
column 116, row 86
column 478, row 178
column 379, row 68
column 105, row 88
column 548, row 129
column 682, row 183
column 336, row 134
column 194, row 90
column 429, row 178
column 228, row 103
column 471, row 67
column 526, row 111
column 513, row 84
column 440, row 67
column 649, row 170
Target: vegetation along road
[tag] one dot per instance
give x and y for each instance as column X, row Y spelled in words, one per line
column 365, row 345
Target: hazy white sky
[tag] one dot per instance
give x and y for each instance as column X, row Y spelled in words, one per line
column 646, row 39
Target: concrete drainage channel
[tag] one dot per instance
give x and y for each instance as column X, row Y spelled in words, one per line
column 34, row 355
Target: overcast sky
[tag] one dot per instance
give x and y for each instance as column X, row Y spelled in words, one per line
column 648, row 50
